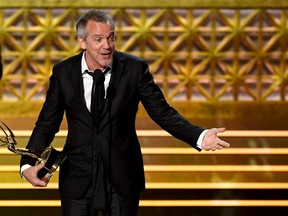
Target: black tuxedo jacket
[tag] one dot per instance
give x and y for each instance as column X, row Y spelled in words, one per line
column 131, row 83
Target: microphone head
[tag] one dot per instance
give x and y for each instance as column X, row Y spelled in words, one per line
column 98, row 75
column 97, row 71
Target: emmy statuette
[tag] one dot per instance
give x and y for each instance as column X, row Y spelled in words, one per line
column 50, row 157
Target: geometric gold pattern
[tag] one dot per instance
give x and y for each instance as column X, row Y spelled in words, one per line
column 200, row 52
column 214, row 55
column 196, row 54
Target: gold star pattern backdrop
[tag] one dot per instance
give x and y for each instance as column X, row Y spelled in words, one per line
column 209, row 55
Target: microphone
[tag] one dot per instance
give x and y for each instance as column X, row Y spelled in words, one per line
column 97, row 75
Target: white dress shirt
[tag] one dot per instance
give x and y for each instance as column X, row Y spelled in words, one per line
column 88, row 81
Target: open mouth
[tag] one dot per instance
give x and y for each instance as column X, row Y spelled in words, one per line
column 105, row 54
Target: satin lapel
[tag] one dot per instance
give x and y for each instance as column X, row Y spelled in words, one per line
column 116, row 74
column 117, row 67
column 77, row 75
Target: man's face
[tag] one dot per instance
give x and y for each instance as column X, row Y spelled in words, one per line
column 99, row 45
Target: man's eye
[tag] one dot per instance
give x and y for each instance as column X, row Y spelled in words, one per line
column 98, row 40
column 111, row 38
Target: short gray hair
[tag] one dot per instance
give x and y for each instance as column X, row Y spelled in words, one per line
column 94, row 15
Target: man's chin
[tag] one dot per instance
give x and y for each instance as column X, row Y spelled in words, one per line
column 106, row 62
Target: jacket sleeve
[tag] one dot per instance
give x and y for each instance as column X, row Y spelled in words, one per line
column 48, row 122
column 162, row 113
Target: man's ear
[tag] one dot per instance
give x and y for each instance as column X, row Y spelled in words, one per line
column 81, row 42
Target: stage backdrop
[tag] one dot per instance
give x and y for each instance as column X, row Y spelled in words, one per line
column 220, row 63
column 213, row 59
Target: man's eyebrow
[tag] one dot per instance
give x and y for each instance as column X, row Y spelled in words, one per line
column 98, row 35
column 102, row 35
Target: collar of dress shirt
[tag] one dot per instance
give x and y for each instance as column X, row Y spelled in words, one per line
column 84, row 66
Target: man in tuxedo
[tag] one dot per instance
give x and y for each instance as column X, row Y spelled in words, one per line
column 103, row 170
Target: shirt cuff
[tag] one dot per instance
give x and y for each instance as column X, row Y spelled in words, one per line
column 200, row 139
column 23, row 168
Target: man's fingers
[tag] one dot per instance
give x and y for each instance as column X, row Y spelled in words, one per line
column 212, row 142
column 31, row 176
column 39, row 166
column 223, row 144
column 218, row 130
column 40, row 184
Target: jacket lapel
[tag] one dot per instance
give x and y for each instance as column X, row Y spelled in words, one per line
column 76, row 75
column 117, row 70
